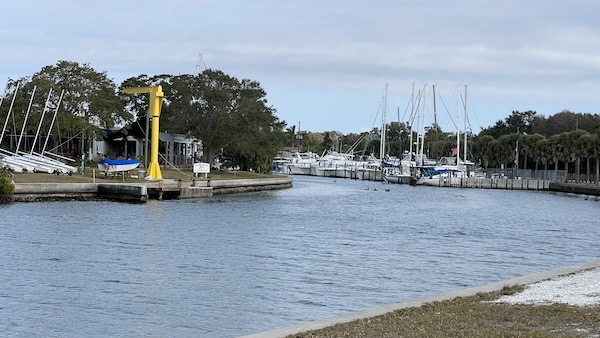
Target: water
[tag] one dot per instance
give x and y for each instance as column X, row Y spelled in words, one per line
column 240, row 264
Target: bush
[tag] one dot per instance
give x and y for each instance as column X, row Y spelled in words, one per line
column 6, row 184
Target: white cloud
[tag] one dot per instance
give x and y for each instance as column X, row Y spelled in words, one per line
column 329, row 57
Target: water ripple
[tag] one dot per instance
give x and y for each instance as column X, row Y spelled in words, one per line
column 239, row 264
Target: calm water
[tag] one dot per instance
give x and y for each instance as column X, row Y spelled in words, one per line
column 241, row 264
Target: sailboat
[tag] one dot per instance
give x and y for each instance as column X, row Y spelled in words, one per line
column 405, row 170
column 372, row 168
column 31, row 162
column 450, row 170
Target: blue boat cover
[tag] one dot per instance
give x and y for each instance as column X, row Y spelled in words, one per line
column 108, row 161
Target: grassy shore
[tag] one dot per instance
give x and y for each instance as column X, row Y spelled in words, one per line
column 93, row 175
column 473, row 316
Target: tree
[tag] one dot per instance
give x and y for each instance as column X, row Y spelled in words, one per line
column 89, row 95
column 230, row 117
column 584, row 144
column 522, row 121
column 504, row 149
column 596, row 153
column 539, row 152
column 259, row 134
column 484, row 149
column 6, row 184
column 327, row 142
column 290, row 133
column 89, row 103
column 535, row 144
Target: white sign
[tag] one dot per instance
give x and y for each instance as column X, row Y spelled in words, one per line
column 201, row 168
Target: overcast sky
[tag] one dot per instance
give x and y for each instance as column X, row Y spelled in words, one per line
column 325, row 63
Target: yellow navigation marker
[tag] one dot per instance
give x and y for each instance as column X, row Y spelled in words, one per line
column 156, row 96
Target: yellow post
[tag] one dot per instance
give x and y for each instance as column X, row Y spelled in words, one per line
column 156, row 95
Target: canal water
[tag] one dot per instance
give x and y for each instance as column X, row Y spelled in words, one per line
column 239, row 264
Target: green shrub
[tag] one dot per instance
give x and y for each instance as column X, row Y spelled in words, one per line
column 6, row 184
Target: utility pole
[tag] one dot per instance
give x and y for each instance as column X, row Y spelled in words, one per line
column 517, row 155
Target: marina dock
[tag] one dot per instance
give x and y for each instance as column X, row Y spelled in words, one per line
column 495, row 183
column 585, row 189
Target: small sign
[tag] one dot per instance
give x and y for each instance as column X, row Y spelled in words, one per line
column 201, row 168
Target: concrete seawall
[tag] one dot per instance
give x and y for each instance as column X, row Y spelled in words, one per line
column 575, row 188
column 248, row 185
column 141, row 192
column 384, row 309
column 31, row 192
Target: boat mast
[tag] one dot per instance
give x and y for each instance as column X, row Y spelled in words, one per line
column 9, row 112
column 37, row 133
column 412, row 112
column 457, row 127
column 465, row 129
column 25, row 120
column 52, row 123
column 435, row 125
column 422, row 127
column 382, row 143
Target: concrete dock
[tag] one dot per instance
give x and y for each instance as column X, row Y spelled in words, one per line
column 141, row 192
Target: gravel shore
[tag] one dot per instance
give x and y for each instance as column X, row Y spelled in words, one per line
column 577, row 289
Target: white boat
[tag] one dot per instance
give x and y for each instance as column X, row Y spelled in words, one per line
column 280, row 166
column 334, row 164
column 397, row 175
column 448, row 172
column 300, row 163
column 371, row 170
column 399, row 171
column 111, row 166
column 438, row 176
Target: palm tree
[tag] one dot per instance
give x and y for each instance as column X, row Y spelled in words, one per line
column 595, row 152
column 291, row 134
column 504, row 149
column 596, row 148
column 573, row 149
column 485, row 149
column 584, row 145
column 536, row 144
column 553, row 151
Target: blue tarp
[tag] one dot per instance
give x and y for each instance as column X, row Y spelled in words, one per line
column 108, row 161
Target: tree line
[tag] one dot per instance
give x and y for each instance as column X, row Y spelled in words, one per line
column 230, row 116
column 236, row 124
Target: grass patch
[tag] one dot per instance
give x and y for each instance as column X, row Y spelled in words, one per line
column 167, row 173
column 474, row 316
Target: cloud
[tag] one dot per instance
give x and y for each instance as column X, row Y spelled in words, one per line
column 323, row 58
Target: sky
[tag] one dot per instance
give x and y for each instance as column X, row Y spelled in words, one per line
column 325, row 64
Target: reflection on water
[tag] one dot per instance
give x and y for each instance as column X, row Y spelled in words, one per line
column 240, row 264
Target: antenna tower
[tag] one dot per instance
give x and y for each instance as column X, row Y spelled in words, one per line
column 201, row 66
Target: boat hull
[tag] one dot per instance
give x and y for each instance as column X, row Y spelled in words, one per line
column 112, row 166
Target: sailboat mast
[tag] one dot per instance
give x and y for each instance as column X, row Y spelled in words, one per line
column 25, row 120
column 37, row 133
column 422, row 128
column 382, row 143
column 412, row 112
column 52, row 123
column 9, row 111
column 435, row 125
column 457, row 127
column 465, row 128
